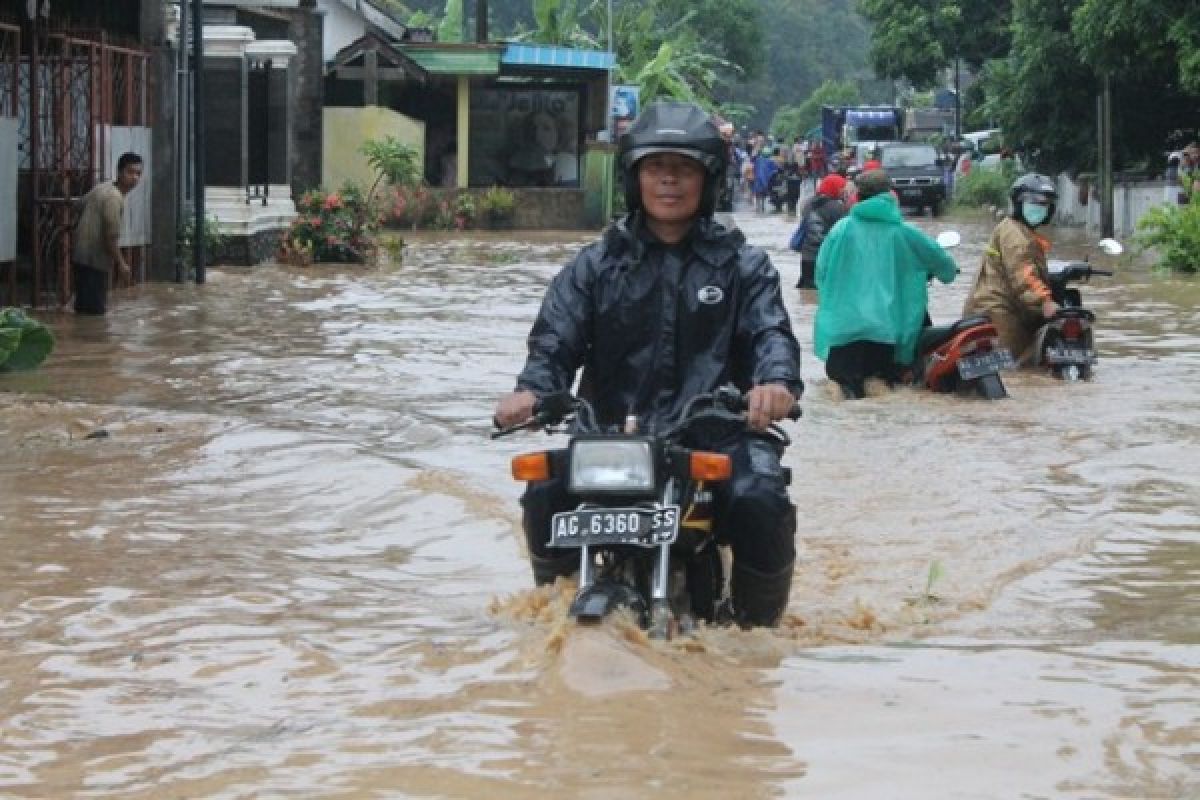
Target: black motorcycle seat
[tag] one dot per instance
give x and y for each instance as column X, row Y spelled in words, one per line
column 1075, row 313
column 936, row 335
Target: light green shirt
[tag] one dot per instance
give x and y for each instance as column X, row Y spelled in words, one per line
column 100, row 222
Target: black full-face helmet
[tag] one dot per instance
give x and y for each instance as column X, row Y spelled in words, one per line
column 682, row 128
column 1031, row 186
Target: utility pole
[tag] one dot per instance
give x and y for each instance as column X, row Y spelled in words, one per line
column 198, row 255
column 1106, row 157
column 957, row 97
column 481, row 21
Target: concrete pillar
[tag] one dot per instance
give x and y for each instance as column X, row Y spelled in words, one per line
column 463, row 128
column 165, row 182
column 307, row 30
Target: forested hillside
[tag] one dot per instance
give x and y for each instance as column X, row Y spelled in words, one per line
column 749, row 56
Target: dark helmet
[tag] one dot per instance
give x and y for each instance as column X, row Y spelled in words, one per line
column 1032, row 184
column 682, row 128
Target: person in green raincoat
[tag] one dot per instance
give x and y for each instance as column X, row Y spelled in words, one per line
column 873, row 272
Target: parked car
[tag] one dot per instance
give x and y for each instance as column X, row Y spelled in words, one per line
column 917, row 175
column 996, row 161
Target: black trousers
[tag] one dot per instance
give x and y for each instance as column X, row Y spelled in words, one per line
column 851, row 364
column 91, row 289
column 808, row 274
column 753, row 512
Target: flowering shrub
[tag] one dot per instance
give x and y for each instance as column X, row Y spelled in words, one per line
column 412, row 207
column 336, row 226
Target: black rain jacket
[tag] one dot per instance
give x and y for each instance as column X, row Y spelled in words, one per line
column 652, row 326
column 821, row 214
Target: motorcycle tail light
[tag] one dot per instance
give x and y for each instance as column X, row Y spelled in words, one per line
column 1072, row 328
column 531, row 467
column 710, row 466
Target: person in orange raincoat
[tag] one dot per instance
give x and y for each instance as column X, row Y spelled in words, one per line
column 1012, row 287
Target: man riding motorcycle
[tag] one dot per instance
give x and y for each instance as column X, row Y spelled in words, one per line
column 1012, row 287
column 669, row 304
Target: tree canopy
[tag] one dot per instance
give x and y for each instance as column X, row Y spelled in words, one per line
column 917, row 39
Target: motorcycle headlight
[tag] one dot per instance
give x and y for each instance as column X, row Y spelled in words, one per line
column 612, row 465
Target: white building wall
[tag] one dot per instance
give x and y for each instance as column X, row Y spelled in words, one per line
column 1131, row 201
column 347, row 20
column 342, row 27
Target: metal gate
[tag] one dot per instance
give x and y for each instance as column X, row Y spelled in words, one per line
column 81, row 101
column 10, row 60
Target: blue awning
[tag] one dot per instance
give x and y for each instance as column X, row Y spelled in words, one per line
column 540, row 55
column 860, row 118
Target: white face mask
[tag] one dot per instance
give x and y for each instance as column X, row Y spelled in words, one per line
column 1034, row 213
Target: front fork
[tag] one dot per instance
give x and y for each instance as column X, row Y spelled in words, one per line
column 660, row 608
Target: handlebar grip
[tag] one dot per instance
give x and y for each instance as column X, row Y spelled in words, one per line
column 1105, row 272
column 796, row 413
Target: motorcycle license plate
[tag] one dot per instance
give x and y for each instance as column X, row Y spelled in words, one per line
column 641, row 527
column 910, row 193
column 1070, row 355
column 971, row 367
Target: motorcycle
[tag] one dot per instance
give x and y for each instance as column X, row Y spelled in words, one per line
column 644, row 520
column 1065, row 343
column 965, row 357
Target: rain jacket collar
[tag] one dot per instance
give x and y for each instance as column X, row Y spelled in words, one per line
column 711, row 241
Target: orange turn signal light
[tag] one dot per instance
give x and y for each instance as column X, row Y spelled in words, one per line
column 711, row 466
column 531, row 467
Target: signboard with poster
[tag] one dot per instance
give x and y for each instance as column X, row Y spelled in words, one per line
column 624, row 104
column 524, row 137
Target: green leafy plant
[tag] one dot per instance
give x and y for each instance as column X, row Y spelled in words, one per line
column 444, row 217
column 214, row 240
column 1174, row 233
column 464, row 211
column 497, row 206
column 24, row 342
column 982, row 187
column 393, row 161
column 935, row 574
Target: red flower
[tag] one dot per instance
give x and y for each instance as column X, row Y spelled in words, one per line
column 333, row 201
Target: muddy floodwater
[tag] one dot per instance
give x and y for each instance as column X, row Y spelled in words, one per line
column 255, row 543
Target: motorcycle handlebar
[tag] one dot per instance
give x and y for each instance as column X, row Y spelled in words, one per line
column 734, row 400
column 552, row 409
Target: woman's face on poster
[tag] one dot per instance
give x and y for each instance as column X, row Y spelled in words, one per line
column 545, row 132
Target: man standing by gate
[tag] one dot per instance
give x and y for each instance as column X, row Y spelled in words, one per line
column 95, row 248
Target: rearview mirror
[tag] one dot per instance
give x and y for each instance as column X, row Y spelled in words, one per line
column 949, row 239
column 1111, row 247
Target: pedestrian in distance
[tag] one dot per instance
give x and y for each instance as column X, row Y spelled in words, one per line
column 95, row 245
column 1189, row 174
column 821, row 213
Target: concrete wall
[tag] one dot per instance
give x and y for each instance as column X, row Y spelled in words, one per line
column 551, row 209
column 346, row 129
column 538, row 209
column 1131, row 201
